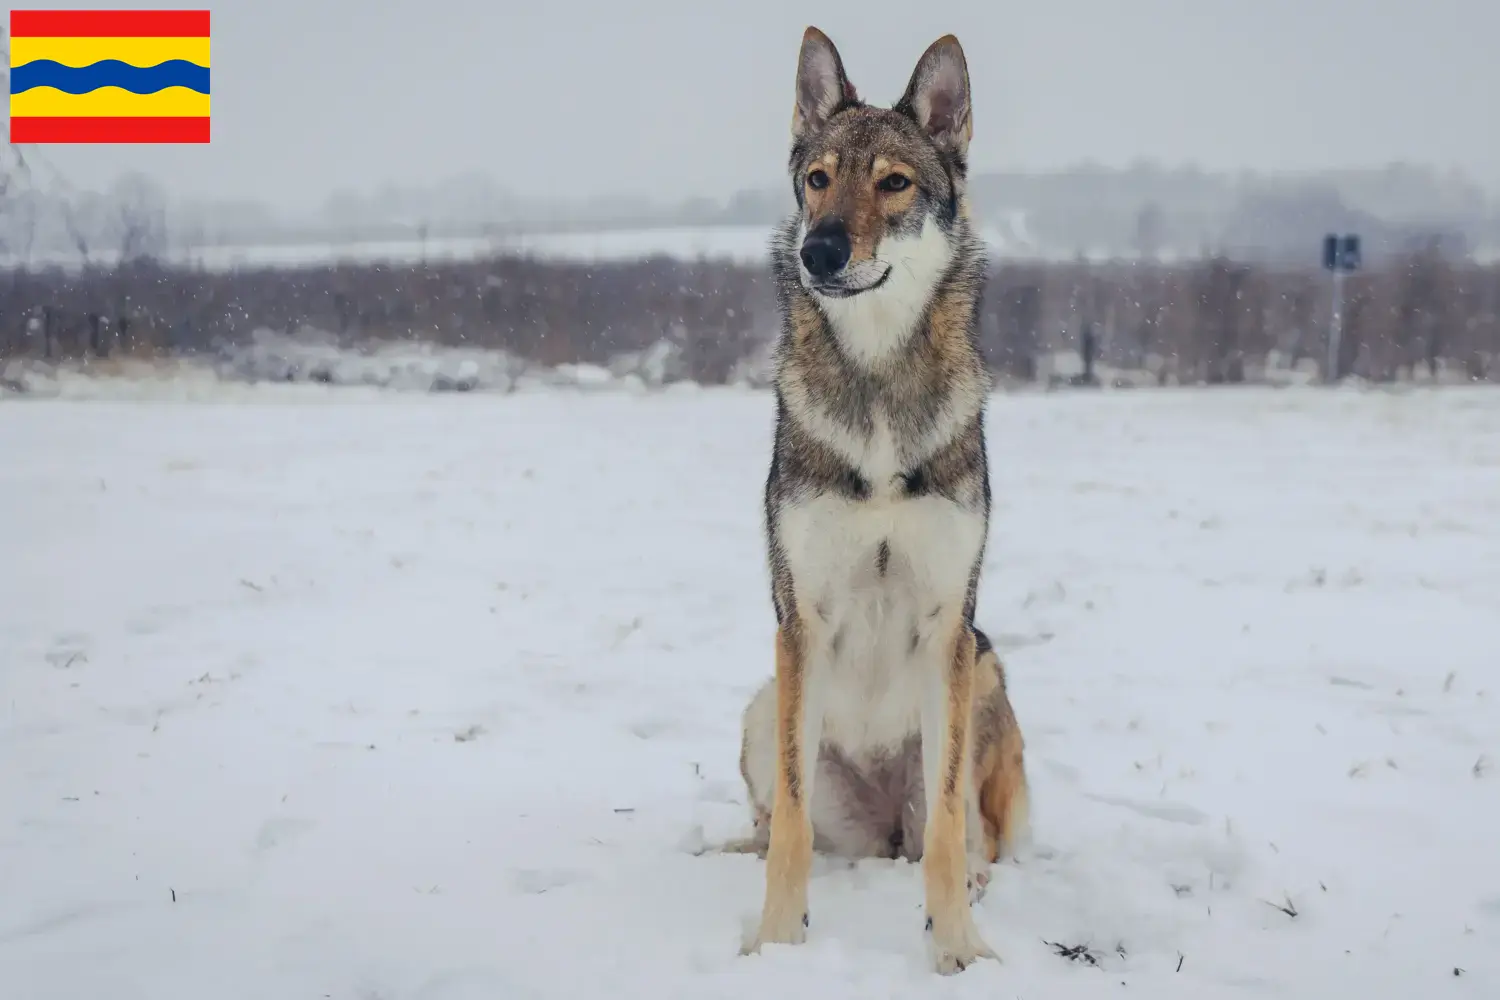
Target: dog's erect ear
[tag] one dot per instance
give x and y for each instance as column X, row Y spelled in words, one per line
column 938, row 96
column 822, row 86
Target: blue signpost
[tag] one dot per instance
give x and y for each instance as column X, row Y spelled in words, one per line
column 1341, row 256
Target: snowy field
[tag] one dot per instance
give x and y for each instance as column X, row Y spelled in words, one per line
column 358, row 695
column 1006, row 233
column 745, row 244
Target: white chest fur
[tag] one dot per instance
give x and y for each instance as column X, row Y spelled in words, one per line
column 879, row 584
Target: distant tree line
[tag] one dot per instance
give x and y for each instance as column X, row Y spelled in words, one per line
column 1215, row 321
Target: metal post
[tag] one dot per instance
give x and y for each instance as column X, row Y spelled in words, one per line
column 1335, row 327
column 1341, row 256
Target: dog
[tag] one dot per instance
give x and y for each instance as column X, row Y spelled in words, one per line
column 887, row 730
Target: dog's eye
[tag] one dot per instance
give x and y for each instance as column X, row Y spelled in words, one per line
column 817, row 180
column 892, row 183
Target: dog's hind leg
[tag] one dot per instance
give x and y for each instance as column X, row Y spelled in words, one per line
column 999, row 765
column 758, row 769
column 757, row 843
column 998, row 814
column 1004, row 799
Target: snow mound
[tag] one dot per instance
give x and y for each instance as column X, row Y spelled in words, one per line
column 311, row 359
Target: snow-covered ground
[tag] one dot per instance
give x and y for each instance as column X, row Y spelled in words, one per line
column 348, row 694
column 739, row 243
column 270, row 361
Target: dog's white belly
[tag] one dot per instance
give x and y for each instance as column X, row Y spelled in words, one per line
column 875, row 632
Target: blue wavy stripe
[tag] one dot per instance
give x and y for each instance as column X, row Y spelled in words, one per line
column 109, row 73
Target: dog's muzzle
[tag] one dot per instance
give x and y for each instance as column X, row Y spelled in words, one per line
column 825, row 250
column 826, row 270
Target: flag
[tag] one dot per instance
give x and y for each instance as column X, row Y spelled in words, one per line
column 109, row 76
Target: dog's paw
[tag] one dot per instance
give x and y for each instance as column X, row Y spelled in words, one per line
column 777, row 931
column 950, row 961
column 958, row 948
column 739, row 845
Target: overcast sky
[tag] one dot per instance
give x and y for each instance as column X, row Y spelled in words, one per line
column 669, row 98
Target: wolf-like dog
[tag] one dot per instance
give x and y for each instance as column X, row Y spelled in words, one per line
column 887, row 730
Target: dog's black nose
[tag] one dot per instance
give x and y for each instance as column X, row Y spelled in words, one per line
column 825, row 250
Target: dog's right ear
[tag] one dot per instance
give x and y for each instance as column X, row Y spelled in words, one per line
column 822, row 87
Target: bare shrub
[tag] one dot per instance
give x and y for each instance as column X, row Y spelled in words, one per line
column 1208, row 321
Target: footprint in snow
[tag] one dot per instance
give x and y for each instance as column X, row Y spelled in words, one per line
column 1170, row 812
column 279, row 831
column 535, row 881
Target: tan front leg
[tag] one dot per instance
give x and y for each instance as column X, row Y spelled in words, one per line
column 947, row 774
column 789, row 857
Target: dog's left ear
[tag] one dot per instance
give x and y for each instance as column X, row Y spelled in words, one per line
column 938, row 96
